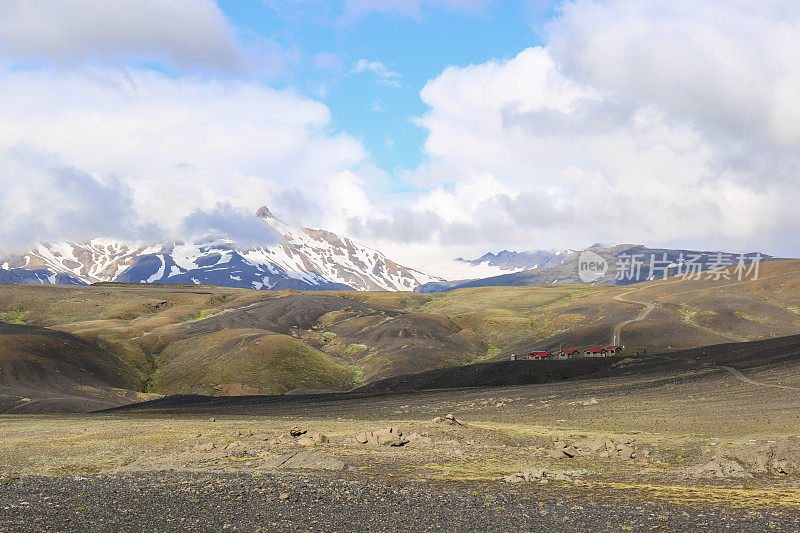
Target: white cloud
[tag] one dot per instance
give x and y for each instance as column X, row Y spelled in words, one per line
column 667, row 123
column 385, row 75
column 168, row 146
column 663, row 122
column 225, row 219
column 181, row 33
column 729, row 65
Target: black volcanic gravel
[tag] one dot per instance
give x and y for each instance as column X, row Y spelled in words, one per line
column 303, row 502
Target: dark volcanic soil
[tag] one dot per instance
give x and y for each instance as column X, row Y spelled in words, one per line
column 780, row 354
column 202, row 502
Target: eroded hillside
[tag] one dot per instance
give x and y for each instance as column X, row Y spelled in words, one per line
column 213, row 340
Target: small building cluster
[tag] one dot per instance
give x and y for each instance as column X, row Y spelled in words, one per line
column 569, row 354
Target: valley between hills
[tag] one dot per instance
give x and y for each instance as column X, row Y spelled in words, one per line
column 73, row 348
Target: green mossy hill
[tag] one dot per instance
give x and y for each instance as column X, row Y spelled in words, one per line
column 247, row 362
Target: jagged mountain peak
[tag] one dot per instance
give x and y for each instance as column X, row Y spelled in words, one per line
column 300, row 259
column 264, row 212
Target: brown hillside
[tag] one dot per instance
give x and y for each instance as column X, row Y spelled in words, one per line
column 176, row 339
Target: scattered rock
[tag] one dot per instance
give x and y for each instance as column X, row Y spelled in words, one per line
column 450, row 419
column 570, row 451
column 390, row 437
column 236, row 446
column 536, row 474
column 319, row 438
column 745, row 461
column 385, row 437
column 305, row 460
column 416, row 438
column 296, row 431
column 604, row 447
column 284, row 496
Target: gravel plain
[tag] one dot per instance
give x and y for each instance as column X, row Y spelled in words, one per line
column 145, row 502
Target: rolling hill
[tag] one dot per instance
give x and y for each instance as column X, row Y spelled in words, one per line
column 172, row 339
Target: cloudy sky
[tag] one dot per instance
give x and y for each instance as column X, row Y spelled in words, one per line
column 429, row 129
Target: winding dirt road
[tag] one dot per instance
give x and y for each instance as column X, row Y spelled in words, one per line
column 648, row 307
column 742, row 377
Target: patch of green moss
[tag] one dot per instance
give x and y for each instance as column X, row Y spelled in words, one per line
column 355, row 349
column 358, row 375
column 13, row 317
column 492, row 350
column 203, row 314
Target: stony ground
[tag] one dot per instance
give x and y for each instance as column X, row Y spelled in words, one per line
column 269, row 502
column 591, row 455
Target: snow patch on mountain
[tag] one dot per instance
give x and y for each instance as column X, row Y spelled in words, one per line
column 301, row 259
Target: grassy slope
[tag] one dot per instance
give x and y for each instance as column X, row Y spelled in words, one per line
column 247, row 361
column 147, row 327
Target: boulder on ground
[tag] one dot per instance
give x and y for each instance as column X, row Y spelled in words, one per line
column 319, row 438
column 720, row 467
column 744, row 461
column 416, row 438
column 390, row 437
column 236, row 446
column 296, row 431
column 570, row 451
column 536, row 474
column 384, row 437
column 450, row 419
column 605, row 447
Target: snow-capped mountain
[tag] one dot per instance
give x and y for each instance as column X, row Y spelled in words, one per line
column 625, row 264
column 300, row 259
column 511, row 261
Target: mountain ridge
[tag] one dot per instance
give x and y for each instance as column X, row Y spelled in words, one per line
column 564, row 268
column 302, row 258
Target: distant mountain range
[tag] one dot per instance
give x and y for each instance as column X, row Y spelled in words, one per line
column 507, row 260
column 624, row 264
column 303, row 259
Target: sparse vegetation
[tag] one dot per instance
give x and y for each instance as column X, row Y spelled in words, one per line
column 202, row 315
column 385, row 334
column 13, row 317
column 355, row 349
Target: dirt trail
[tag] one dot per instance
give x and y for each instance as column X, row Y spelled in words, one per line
column 648, row 307
column 742, row 377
